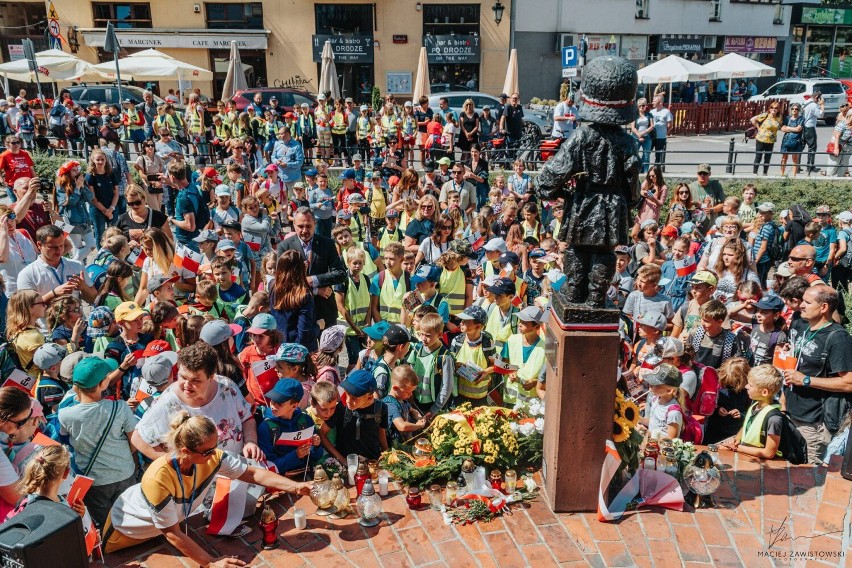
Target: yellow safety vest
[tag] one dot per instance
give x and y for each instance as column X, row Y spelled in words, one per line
column 409, row 126
column 223, row 131
column 132, row 119
column 426, row 366
column 363, row 126
column 321, row 118
column 534, row 231
column 370, row 268
column 378, row 203
column 490, row 270
column 476, row 356
column 194, row 120
column 527, row 370
column 453, row 286
column 556, row 226
column 755, row 425
column 390, row 297
column 403, row 220
column 338, row 123
column 494, row 324
column 357, row 302
column 388, row 237
column 357, row 228
column 389, row 125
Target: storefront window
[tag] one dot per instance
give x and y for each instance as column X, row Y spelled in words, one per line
column 354, row 21
column 247, row 16
column 344, row 18
column 820, row 34
column 798, row 31
column 254, row 66
column 453, row 20
column 121, row 15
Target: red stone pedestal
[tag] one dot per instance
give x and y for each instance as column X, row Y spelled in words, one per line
column 582, row 361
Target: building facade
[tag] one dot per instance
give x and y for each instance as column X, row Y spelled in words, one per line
column 643, row 31
column 821, row 41
column 281, row 40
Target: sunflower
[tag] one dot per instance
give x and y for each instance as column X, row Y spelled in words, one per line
column 630, row 412
column 620, row 430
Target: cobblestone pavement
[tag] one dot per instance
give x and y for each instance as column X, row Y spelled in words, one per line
column 768, row 514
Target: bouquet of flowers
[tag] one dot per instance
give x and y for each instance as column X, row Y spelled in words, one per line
column 485, row 433
column 332, row 466
column 685, row 453
column 529, row 430
column 627, row 439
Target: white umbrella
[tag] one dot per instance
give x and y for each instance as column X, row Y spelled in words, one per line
column 235, row 80
column 55, row 66
column 510, row 85
column 153, row 65
column 673, row 69
column 735, row 66
column 328, row 74
column 421, row 85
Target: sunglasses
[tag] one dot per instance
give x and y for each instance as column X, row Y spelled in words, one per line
column 134, row 203
column 427, row 207
column 14, row 142
column 20, row 423
column 684, row 192
column 798, row 259
column 239, row 147
column 148, row 146
column 205, row 453
column 458, row 171
column 447, row 227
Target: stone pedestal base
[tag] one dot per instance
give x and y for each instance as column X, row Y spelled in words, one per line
column 582, row 358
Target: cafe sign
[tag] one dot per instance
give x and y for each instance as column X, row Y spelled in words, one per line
column 452, row 48
column 681, row 44
column 354, row 48
column 747, row 44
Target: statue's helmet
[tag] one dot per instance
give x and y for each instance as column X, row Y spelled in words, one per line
column 609, row 91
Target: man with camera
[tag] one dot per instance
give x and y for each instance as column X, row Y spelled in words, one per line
column 31, row 214
column 812, row 111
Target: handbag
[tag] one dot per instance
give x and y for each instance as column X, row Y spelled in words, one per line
column 830, row 148
column 751, row 133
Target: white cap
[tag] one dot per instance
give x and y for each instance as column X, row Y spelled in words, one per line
column 497, row 244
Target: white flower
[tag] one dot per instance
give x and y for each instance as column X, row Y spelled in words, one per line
column 539, row 425
column 518, row 406
column 513, row 426
column 526, row 429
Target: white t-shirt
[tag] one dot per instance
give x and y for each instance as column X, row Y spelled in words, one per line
column 432, row 250
column 8, row 475
column 43, row 278
column 21, row 253
column 659, row 418
column 662, row 118
column 228, row 410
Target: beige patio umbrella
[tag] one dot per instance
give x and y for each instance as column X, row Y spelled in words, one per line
column 421, row 85
column 511, row 84
column 235, row 80
column 328, row 73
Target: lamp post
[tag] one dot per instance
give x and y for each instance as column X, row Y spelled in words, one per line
column 498, row 8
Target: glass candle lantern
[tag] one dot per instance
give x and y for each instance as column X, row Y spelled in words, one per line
column 352, row 467
column 369, row 505
column 452, row 492
column 511, row 478
column 373, row 469
column 468, row 467
column 496, row 480
column 435, row 497
column 322, row 493
column 422, row 448
column 341, row 504
column 413, row 499
column 384, row 480
column 362, row 474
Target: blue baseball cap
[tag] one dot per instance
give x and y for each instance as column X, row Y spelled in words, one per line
column 95, row 275
column 376, row 331
column 225, row 244
column 91, row 371
column 348, row 173
column 261, row 323
column 99, row 321
column 426, row 273
column 510, row 257
column 687, row 227
column 502, row 286
column 359, row 383
column 311, row 172
column 770, row 302
column 284, row 390
column 537, row 253
column 473, row 313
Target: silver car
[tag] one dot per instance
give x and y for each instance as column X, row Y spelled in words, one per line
column 536, row 123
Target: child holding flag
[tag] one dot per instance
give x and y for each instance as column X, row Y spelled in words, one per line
column 288, row 438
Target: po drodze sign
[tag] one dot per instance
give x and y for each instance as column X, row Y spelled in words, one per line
column 452, row 48
column 346, row 49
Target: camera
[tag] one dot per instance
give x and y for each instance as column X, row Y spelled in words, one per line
column 153, row 177
column 45, row 186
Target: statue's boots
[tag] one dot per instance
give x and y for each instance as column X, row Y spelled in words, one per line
column 576, row 280
column 601, row 273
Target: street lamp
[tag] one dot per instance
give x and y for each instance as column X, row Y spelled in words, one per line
column 498, row 8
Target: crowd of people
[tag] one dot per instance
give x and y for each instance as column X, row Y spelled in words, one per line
column 167, row 331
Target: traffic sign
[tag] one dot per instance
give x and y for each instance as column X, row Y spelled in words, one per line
column 569, row 72
column 570, row 57
column 53, row 28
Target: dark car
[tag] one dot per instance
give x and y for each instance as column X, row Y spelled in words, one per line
column 108, row 93
column 287, row 98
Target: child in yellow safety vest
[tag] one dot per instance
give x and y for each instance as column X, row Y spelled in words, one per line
column 454, row 282
column 500, row 324
column 425, row 280
column 435, row 366
column 760, row 435
column 353, row 303
column 342, row 235
column 525, row 350
column 491, row 264
column 473, row 349
column 390, row 233
column 389, row 286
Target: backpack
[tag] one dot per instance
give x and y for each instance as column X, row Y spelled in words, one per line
column 834, row 407
column 202, row 212
column 57, row 111
column 706, row 393
column 776, row 247
column 691, row 431
column 846, row 260
column 25, row 123
column 381, row 277
column 793, row 446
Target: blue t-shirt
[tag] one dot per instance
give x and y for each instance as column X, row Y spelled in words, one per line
column 396, row 409
column 184, row 204
column 827, row 237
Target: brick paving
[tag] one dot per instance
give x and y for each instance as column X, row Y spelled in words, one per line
column 770, row 514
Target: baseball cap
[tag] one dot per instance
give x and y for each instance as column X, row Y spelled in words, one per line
column 784, row 270
column 703, row 169
column 226, row 244
column 232, row 225
column 305, row 105
column 537, row 254
column 217, row 331
column 704, row 277
column 357, row 158
column 261, row 323
column 531, row 314
column 429, row 167
column 408, row 104
column 393, row 181
column 510, row 257
column 395, row 335
column 48, row 355
column 344, row 214
column 664, row 374
column 312, row 172
column 364, row 107
column 332, row 338
column 66, row 367
column 823, row 209
column 687, row 227
column 622, row 249
column 473, row 313
column 158, row 280
column 445, row 161
column 770, row 302
column 206, row 235
column 497, row 244
column 320, row 97
column 359, row 383
column 486, row 107
column 348, row 173
column 290, row 115
column 269, row 168
column 89, row 372
column 669, row 231
column 156, row 347
column 653, row 319
column 502, row 286
column 504, row 96
column 128, row 311
column 392, row 213
column 426, row 273
column 647, row 223
column 99, row 321
column 273, row 99
column 157, row 369
column 96, row 275
column 672, row 347
column 354, row 198
column 766, row 207
column 284, row 390
column 376, row 331
column 290, row 353
column 211, row 173
column 844, row 216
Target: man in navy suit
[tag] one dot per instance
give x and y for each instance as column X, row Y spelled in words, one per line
column 325, row 267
